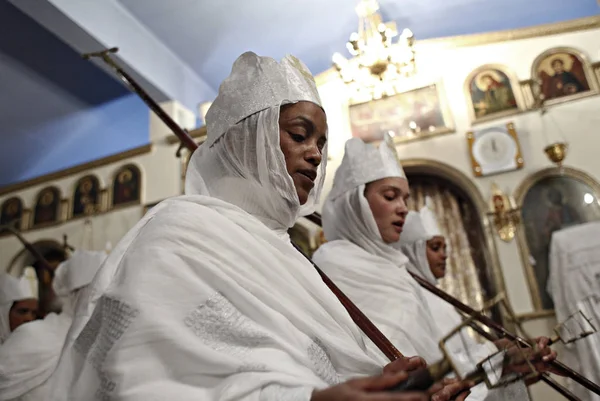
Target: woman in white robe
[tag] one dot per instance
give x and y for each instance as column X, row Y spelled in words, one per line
column 425, row 246
column 206, row 298
column 18, row 304
column 29, row 357
column 363, row 218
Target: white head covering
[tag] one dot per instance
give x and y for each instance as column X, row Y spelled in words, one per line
column 413, row 243
column 241, row 161
column 77, row 271
column 346, row 213
column 13, row 289
column 418, row 229
column 429, row 220
column 73, row 274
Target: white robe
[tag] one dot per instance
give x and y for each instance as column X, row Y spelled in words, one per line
column 574, row 284
column 239, row 315
column 29, row 356
column 385, row 293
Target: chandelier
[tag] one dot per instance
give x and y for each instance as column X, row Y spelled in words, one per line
column 377, row 65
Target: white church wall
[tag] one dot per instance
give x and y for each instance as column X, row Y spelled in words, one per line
column 160, row 171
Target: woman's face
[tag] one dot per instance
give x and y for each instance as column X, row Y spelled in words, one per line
column 302, row 137
column 387, row 198
column 23, row 311
column 436, row 256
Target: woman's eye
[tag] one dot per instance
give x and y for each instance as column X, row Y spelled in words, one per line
column 389, row 197
column 297, row 137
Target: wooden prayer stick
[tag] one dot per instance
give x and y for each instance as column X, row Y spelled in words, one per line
column 42, row 262
column 576, row 376
column 183, row 135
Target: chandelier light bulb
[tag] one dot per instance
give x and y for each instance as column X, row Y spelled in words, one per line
column 339, row 61
column 377, row 64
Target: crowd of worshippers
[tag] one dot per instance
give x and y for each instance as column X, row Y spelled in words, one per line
column 206, row 298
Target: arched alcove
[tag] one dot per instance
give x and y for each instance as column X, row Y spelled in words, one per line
column 551, row 199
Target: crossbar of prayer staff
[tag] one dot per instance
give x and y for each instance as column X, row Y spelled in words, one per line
column 545, row 377
column 480, row 317
column 187, row 141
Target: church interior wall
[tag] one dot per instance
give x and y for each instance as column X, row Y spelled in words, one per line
column 160, row 177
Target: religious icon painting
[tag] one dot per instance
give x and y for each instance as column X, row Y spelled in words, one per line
column 127, row 186
column 553, row 203
column 415, row 114
column 12, row 210
column 563, row 74
column 86, row 197
column 492, row 93
column 47, row 207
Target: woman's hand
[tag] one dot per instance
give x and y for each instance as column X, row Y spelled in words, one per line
column 539, row 356
column 370, row 389
column 451, row 390
column 405, row 364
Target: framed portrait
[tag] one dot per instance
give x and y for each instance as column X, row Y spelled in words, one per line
column 86, row 196
column 12, row 210
column 127, row 186
column 412, row 115
column 492, row 92
column 563, row 74
column 551, row 204
column 47, row 207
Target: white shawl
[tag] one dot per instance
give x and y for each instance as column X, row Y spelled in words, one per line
column 12, row 289
column 374, row 276
column 30, row 355
column 206, row 298
column 466, row 351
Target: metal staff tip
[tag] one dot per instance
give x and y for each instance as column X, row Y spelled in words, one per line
column 101, row 53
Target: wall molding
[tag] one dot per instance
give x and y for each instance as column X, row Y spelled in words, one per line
column 140, row 150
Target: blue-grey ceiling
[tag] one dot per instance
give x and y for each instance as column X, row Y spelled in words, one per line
column 57, row 110
column 209, row 35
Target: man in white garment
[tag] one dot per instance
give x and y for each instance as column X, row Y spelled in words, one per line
column 363, row 218
column 574, row 285
column 206, row 298
column 18, row 303
column 423, row 243
column 29, row 357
